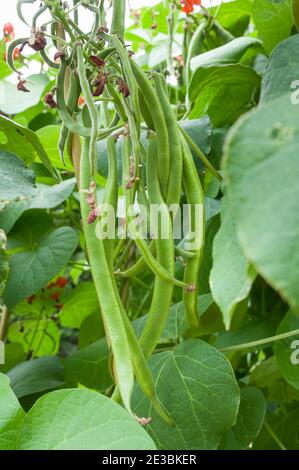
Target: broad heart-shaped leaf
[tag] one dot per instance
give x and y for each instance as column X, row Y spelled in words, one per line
column 14, row 354
column 287, row 350
column 78, row 304
column 77, row 419
column 17, row 181
column 223, row 92
column 196, row 385
column 273, row 20
column 14, row 101
column 281, row 70
column 259, row 181
column 230, row 53
column 46, row 197
column 91, row 329
column 30, row 270
column 11, row 415
column 90, row 366
column 231, row 276
column 250, row 419
column 36, row 375
column 23, row 142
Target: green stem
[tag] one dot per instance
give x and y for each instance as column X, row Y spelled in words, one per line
column 274, row 436
column 199, row 153
column 118, row 18
column 259, row 342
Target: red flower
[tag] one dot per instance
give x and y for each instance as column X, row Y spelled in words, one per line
column 8, row 32
column 123, row 88
column 100, row 85
column 98, row 62
column 21, row 85
column 16, row 54
column 61, row 282
column 81, row 101
column 188, row 5
column 8, row 28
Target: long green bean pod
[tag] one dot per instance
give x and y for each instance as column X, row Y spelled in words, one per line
column 163, row 290
column 175, row 149
column 195, row 200
column 158, row 118
column 118, row 15
column 105, row 287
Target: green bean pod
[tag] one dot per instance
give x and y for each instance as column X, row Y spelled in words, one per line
column 158, row 118
column 195, row 197
column 163, row 290
column 105, row 287
column 175, row 149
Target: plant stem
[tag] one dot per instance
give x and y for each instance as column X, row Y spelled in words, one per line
column 258, row 342
column 200, row 154
column 274, row 436
column 3, row 322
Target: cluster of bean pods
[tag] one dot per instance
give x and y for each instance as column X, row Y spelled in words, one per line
column 99, row 67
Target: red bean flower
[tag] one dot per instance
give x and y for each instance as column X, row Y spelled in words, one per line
column 8, row 32
column 188, row 5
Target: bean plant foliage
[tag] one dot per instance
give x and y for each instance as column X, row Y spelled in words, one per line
column 150, row 338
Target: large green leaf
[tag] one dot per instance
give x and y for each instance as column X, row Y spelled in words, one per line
column 286, row 350
column 235, row 15
column 46, row 197
column 281, row 70
column 90, row 366
column 249, row 420
column 11, row 415
column 80, row 420
column 23, row 142
column 234, row 86
column 17, row 181
column 263, row 192
column 232, row 276
column 230, row 53
column 78, row 304
column 273, row 20
column 15, row 101
column 43, row 257
column 39, row 336
column 196, row 384
column 48, row 136
column 36, row 375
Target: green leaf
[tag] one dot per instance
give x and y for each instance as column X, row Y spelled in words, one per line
column 231, row 276
column 80, row 420
column 281, row 70
column 230, row 53
column 196, row 385
column 49, row 136
column 36, row 375
column 281, row 431
column 17, row 181
column 33, row 268
column 5, row 70
column 78, row 304
column 47, row 197
column 91, row 329
column 39, row 337
column 273, row 20
column 11, row 415
column 249, row 420
column 287, row 350
column 235, row 16
column 14, row 101
column 235, row 86
column 14, row 354
column 258, row 186
column 23, row 142
column 90, row 366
